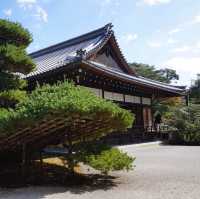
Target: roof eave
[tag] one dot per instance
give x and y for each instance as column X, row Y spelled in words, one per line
column 133, row 81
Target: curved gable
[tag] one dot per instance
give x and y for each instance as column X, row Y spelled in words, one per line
column 111, row 55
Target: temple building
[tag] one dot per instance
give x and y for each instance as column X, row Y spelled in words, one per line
column 95, row 60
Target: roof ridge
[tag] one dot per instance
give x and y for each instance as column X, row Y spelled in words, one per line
column 157, row 81
column 97, row 48
column 105, row 30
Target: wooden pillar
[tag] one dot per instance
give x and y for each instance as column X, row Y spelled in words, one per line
column 24, row 160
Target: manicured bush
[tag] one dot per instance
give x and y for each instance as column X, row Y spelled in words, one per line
column 110, row 160
column 103, row 157
column 66, row 100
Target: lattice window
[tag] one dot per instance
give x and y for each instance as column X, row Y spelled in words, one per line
column 132, row 99
column 129, row 99
column 137, row 99
column 108, row 95
column 146, row 101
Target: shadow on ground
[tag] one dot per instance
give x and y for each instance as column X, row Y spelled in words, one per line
column 53, row 176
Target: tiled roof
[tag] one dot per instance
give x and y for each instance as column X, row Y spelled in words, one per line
column 137, row 79
column 60, row 54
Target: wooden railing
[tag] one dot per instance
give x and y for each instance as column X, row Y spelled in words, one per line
column 162, row 128
column 139, row 134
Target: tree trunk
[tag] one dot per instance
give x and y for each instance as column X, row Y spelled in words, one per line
column 70, row 158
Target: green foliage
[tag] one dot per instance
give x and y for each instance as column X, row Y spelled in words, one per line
column 110, row 160
column 164, row 106
column 9, row 81
column 145, row 70
column 13, row 59
column 64, row 99
column 10, row 86
column 163, row 75
column 11, row 97
column 4, row 113
column 187, row 121
column 168, row 74
column 14, row 33
column 195, row 91
column 101, row 157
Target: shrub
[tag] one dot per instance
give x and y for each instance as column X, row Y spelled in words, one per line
column 66, row 100
column 103, row 157
column 110, row 160
column 187, row 121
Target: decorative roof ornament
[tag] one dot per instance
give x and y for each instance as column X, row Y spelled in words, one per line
column 108, row 29
column 81, row 53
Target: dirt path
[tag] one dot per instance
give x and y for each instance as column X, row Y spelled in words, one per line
column 171, row 172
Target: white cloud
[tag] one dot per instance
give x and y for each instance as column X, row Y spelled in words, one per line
column 26, row 3
column 41, row 14
column 154, row 44
column 181, row 49
column 110, row 2
column 47, row 1
column 186, row 67
column 8, row 12
column 176, row 30
column 198, row 44
column 153, row 2
column 130, row 37
column 196, row 19
column 171, row 41
column 36, row 10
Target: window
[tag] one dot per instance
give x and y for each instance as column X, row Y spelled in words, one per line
column 108, row 95
column 129, row 98
column 113, row 96
column 137, row 99
column 146, row 101
column 132, row 99
column 118, row 97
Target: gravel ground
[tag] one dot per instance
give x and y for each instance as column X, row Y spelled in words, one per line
column 171, row 172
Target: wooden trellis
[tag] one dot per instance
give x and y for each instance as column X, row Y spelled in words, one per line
column 55, row 131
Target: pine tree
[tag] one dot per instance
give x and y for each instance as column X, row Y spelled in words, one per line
column 163, row 75
column 14, row 61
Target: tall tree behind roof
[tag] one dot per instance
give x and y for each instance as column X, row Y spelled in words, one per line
column 164, row 75
column 14, row 39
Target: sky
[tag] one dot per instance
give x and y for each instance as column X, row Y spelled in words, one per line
column 164, row 33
